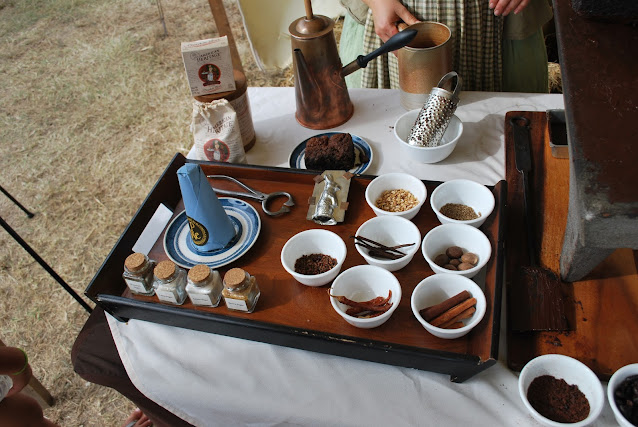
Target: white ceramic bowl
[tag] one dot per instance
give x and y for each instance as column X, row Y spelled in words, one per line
column 464, row 192
column 362, row 283
column 396, row 181
column 574, row 373
column 437, row 288
column 468, row 238
column 619, row 376
column 390, row 231
column 314, row 241
column 403, row 126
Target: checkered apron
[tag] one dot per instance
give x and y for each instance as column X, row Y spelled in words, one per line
column 476, row 44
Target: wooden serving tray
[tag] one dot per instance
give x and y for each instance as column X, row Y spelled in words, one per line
column 291, row 314
column 602, row 308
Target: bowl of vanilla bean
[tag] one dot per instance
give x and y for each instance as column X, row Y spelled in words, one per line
column 389, row 242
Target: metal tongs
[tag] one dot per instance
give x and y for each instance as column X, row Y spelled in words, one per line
column 255, row 195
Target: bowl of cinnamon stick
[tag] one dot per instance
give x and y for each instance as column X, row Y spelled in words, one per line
column 447, row 305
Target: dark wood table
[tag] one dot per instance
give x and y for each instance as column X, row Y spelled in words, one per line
column 599, row 65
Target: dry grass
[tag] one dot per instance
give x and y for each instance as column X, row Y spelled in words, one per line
column 93, row 107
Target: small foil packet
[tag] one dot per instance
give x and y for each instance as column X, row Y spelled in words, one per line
column 210, row 225
column 329, row 200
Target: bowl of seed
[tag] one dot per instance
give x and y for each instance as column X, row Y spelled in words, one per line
column 314, row 257
column 462, row 201
column 396, row 194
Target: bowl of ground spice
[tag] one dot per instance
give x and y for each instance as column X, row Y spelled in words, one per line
column 559, row 390
column 622, row 393
column 462, row 201
column 365, row 295
column 314, row 257
column 396, row 194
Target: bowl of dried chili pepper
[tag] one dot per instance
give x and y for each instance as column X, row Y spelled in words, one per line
column 314, row 257
column 365, row 295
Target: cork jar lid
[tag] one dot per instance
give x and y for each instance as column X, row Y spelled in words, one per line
column 164, row 269
column 234, row 277
column 135, row 262
column 199, row 273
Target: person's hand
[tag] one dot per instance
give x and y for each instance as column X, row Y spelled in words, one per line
column 20, row 381
column 387, row 14
column 504, row 7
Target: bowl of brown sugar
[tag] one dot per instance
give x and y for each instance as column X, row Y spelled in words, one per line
column 462, row 201
column 559, row 391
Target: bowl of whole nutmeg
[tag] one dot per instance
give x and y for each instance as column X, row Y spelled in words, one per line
column 456, row 249
column 462, row 201
column 396, row 194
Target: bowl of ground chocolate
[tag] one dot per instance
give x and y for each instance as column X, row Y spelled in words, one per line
column 462, row 201
column 314, row 257
column 559, row 390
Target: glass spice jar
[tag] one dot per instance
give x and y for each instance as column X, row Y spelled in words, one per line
column 170, row 282
column 138, row 274
column 240, row 290
column 204, row 286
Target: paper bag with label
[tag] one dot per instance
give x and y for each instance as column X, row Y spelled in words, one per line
column 210, row 226
column 216, row 132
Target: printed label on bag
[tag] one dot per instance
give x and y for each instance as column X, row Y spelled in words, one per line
column 236, row 304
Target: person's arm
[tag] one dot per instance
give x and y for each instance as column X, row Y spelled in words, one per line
column 504, row 7
column 14, row 362
column 386, row 15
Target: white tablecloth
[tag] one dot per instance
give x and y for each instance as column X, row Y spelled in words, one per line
column 209, row 379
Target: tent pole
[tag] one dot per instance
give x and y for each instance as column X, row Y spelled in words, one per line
column 223, row 29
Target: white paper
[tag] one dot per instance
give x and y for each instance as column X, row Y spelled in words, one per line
column 153, row 229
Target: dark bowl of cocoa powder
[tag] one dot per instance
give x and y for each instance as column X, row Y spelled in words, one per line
column 561, row 391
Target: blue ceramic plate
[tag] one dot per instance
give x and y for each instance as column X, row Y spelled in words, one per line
column 182, row 251
column 362, row 154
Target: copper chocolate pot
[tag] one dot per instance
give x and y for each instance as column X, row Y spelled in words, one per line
column 321, row 94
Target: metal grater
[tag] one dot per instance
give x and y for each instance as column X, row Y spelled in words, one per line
column 435, row 115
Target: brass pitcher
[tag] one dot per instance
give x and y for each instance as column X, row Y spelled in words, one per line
column 321, row 94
